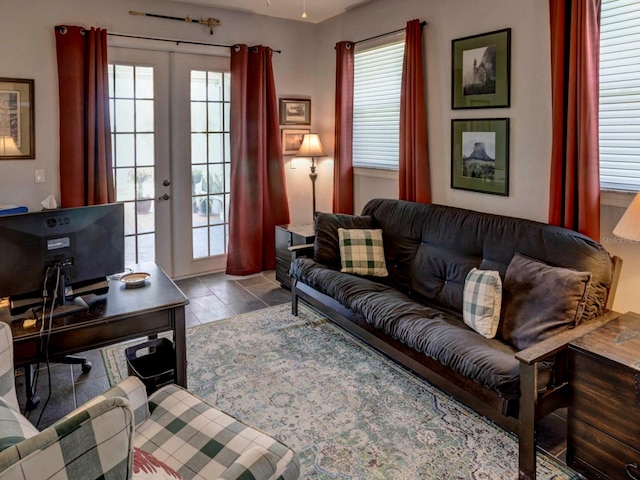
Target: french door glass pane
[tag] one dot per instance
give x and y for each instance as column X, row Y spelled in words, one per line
column 210, row 162
column 132, row 124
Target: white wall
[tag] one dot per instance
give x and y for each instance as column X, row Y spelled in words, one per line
column 530, row 92
column 28, row 51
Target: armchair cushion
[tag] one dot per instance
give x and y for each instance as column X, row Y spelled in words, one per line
column 93, row 442
column 199, row 441
column 14, row 428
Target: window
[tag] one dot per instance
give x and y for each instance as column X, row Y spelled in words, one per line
column 376, row 106
column 131, row 98
column 210, row 161
column 620, row 95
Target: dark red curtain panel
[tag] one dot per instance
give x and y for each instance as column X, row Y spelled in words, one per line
column 259, row 199
column 343, row 136
column 86, row 175
column 574, row 200
column 413, row 171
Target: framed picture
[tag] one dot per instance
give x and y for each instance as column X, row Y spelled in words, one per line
column 292, row 139
column 295, row 111
column 481, row 71
column 17, row 128
column 480, row 155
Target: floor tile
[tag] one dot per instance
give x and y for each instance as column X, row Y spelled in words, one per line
column 193, row 287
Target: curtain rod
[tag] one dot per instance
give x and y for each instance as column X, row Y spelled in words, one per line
column 422, row 24
column 177, row 42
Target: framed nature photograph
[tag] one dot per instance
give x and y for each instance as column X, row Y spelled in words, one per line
column 480, row 155
column 295, row 111
column 17, row 135
column 481, row 70
column 292, row 139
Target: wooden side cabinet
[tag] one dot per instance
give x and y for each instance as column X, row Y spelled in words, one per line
column 287, row 236
column 603, row 437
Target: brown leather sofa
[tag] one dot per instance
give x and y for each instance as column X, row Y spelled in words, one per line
column 414, row 314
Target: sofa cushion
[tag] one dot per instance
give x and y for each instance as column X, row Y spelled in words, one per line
column 438, row 333
column 362, row 252
column 541, row 300
column 326, row 249
column 482, row 301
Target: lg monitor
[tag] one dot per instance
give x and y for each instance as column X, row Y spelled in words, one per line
column 60, row 255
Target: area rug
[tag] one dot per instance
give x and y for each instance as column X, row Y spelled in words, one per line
column 349, row 412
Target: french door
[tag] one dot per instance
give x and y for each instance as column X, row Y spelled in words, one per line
column 170, row 135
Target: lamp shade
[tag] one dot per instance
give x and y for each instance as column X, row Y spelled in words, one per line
column 8, row 146
column 311, row 146
column 629, row 225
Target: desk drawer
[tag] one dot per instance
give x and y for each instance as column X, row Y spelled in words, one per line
column 93, row 335
column 590, row 452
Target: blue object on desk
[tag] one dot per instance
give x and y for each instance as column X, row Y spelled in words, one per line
column 11, row 209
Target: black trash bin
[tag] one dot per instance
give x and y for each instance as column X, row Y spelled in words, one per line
column 153, row 362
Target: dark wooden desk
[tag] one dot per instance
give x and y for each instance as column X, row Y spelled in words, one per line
column 121, row 314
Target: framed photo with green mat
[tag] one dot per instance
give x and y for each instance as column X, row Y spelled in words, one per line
column 480, row 155
column 481, row 71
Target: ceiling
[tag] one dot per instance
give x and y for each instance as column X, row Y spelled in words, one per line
column 317, row 10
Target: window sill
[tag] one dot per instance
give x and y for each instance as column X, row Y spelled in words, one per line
column 616, row 198
column 375, row 173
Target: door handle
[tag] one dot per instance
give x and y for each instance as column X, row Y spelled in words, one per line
column 166, row 183
column 166, row 196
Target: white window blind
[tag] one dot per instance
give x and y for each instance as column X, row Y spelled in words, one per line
column 376, row 106
column 620, row 95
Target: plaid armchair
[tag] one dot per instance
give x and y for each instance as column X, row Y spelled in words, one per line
column 98, row 440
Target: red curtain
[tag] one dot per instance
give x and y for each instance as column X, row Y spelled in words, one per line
column 86, row 175
column 259, row 198
column 574, row 200
column 413, row 174
column 343, row 137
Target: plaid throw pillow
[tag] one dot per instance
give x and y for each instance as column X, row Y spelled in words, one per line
column 481, row 301
column 362, row 252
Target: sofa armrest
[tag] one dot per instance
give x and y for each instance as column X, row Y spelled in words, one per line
column 134, row 391
column 91, row 442
column 298, row 251
column 549, row 347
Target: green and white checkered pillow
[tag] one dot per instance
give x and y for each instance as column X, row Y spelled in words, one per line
column 362, row 252
column 481, row 301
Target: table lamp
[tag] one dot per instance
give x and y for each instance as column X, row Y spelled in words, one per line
column 8, row 146
column 311, row 147
column 629, row 225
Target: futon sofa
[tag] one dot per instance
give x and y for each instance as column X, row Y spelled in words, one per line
column 122, row 434
column 482, row 306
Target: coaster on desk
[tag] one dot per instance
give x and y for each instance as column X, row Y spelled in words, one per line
column 134, row 280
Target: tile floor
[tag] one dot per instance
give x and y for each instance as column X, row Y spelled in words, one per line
column 211, row 297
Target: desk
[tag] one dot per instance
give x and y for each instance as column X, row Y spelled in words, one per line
column 121, row 314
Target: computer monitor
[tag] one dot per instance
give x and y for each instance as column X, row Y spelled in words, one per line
column 74, row 249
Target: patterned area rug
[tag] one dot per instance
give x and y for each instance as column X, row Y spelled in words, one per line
column 349, row 412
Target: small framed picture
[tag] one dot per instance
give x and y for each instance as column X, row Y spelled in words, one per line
column 480, row 70
column 480, row 155
column 292, row 139
column 17, row 127
column 295, row 111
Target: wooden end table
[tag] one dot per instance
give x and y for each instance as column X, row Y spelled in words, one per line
column 603, row 437
column 288, row 236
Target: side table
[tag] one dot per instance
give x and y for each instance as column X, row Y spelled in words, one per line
column 288, row 236
column 603, row 437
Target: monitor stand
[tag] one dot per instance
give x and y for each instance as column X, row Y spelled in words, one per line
column 65, row 308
